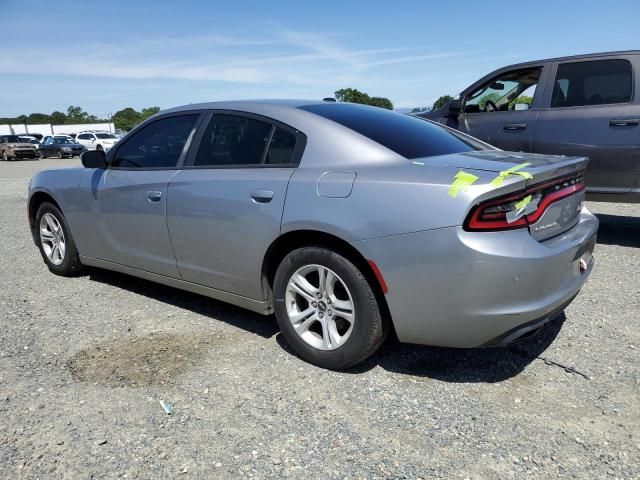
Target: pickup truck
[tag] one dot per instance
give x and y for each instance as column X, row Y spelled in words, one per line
column 587, row 105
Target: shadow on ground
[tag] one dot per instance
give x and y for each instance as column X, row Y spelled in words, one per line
column 455, row 365
column 445, row 364
column 619, row 230
column 238, row 317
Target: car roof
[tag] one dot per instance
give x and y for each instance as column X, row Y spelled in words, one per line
column 244, row 105
column 574, row 57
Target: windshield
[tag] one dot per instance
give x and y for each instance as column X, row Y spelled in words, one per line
column 406, row 135
column 10, row 139
column 105, row 135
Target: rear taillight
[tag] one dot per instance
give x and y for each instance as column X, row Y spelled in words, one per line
column 522, row 209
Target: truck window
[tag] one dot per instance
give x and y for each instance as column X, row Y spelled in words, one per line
column 502, row 93
column 597, row 82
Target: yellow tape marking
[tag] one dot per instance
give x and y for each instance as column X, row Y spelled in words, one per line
column 496, row 182
column 461, row 182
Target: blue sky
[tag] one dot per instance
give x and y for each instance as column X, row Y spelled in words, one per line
column 109, row 54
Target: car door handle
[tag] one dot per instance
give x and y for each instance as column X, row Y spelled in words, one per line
column 512, row 127
column 154, row 196
column 262, row 196
column 624, row 122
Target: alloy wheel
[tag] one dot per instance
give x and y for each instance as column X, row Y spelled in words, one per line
column 52, row 239
column 320, row 307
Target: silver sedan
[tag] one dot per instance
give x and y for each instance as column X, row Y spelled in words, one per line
column 346, row 221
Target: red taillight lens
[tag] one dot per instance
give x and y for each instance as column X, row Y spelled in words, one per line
column 522, row 209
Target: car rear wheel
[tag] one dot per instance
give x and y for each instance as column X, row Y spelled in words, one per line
column 55, row 241
column 99, row 148
column 326, row 309
column 60, row 155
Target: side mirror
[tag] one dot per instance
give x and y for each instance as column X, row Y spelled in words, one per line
column 454, row 107
column 521, row 106
column 94, row 159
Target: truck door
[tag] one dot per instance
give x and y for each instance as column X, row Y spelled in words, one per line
column 503, row 110
column 589, row 110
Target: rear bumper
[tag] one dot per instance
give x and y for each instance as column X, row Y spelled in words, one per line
column 453, row 288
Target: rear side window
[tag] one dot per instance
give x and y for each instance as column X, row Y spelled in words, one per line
column 597, row 82
column 408, row 136
column 233, row 140
column 157, row 145
column 281, row 147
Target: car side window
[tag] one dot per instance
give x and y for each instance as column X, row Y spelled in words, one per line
column 510, row 91
column 597, row 82
column 157, row 145
column 281, row 147
column 232, row 140
column 82, row 136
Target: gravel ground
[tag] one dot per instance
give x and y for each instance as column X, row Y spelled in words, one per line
column 84, row 363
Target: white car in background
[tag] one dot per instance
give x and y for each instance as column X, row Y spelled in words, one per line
column 97, row 140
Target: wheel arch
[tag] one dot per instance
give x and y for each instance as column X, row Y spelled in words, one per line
column 37, row 199
column 291, row 240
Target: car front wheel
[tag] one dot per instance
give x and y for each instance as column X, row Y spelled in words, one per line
column 326, row 309
column 55, row 241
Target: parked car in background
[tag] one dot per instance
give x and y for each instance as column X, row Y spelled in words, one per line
column 582, row 105
column 29, row 139
column 37, row 136
column 97, row 140
column 59, row 135
column 60, row 147
column 12, row 148
column 346, row 220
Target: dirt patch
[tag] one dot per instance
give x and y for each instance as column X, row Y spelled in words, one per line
column 157, row 359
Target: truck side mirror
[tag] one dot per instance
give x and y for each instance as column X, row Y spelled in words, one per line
column 454, row 107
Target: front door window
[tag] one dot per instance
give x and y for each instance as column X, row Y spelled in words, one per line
column 509, row 91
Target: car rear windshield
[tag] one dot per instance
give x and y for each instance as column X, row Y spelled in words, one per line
column 408, row 136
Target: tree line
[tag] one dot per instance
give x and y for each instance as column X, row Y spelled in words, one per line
column 124, row 119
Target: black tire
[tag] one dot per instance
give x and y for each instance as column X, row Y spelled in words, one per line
column 368, row 327
column 60, row 156
column 70, row 265
column 4, row 157
column 99, row 148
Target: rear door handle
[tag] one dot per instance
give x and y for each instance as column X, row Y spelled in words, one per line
column 262, row 196
column 624, row 122
column 512, row 127
column 154, row 196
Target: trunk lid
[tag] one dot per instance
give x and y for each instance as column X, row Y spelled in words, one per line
column 541, row 179
column 541, row 167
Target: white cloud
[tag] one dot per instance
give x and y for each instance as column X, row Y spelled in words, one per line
column 285, row 57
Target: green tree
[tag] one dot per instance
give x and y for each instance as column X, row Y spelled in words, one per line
column 127, row 118
column 77, row 115
column 58, row 118
column 442, row 101
column 37, row 118
column 354, row 95
column 147, row 112
column 381, row 102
